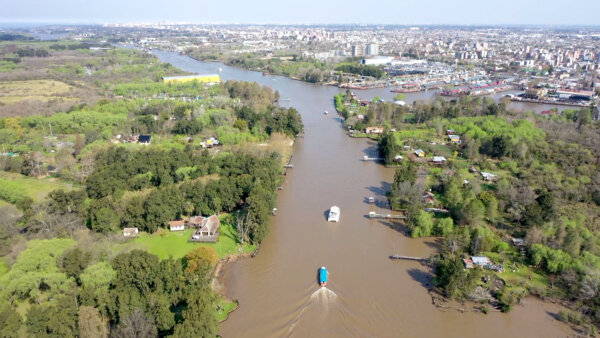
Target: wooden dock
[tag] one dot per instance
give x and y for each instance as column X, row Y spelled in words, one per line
column 373, row 214
column 410, row 258
column 367, row 158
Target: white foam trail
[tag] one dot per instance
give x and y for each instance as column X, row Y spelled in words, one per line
column 322, row 296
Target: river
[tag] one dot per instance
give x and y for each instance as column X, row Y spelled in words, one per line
column 368, row 295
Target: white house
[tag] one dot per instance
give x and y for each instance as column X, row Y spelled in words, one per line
column 177, row 225
column 130, row 232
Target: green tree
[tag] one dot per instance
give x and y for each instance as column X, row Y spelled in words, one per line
column 10, row 322
column 423, row 224
column 199, row 318
column 473, row 212
column 73, row 262
column 443, row 227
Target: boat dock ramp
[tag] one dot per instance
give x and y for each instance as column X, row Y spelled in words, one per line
column 410, row 258
column 373, row 214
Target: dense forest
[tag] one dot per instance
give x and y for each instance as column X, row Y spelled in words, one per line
column 521, row 189
column 70, row 181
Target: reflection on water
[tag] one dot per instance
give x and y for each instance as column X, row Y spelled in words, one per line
column 370, row 295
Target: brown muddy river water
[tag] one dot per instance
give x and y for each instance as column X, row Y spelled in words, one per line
column 368, row 295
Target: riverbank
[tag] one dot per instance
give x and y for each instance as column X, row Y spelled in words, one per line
column 226, row 305
column 276, row 289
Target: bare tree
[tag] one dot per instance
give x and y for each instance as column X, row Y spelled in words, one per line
column 46, row 224
column 242, row 224
column 91, row 324
column 136, row 325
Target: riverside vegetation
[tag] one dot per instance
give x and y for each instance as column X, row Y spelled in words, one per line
column 544, row 192
column 69, row 182
column 294, row 66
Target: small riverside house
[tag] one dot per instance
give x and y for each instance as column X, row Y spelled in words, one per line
column 374, row 130
column 420, row 153
column 481, row 260
column 177, row 225
column 454, row 138
column 130, row 232
column 439, row 159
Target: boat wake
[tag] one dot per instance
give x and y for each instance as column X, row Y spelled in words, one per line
column 323, row 297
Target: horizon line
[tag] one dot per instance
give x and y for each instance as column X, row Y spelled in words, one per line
column 35, row 23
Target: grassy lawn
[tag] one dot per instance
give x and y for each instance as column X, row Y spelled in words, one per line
column 176, row 243
column 525, row 277
column 226, row 307
column 35, row 188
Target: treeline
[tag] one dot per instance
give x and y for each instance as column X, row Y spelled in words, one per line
column 240, row 181
column 307, row 70
column 360, row 69
column 87, row 295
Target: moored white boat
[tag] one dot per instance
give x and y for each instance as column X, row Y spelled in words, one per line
column 334, row 214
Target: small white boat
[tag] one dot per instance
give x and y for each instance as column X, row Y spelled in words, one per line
column 334, row 214
column 326, row 112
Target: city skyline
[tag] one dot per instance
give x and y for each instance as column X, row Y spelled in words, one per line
column 511, row 12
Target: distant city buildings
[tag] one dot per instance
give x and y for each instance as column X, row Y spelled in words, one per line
column 372, row 49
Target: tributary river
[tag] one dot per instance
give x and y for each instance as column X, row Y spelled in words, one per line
column 368, row 295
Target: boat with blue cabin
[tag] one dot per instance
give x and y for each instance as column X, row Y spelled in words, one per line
column 323, row 276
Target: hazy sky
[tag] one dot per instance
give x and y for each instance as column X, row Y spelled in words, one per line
column 550, row 12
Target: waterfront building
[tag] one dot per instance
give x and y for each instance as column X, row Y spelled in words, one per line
column 212, row 78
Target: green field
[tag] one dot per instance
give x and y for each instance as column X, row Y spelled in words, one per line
column 16, row 185
column 525, row 277
column 176, row 243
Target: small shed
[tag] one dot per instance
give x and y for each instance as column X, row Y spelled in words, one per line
column 398, row 158
column 178, row 225
column 439, row 159
column 130, row 232
column 420, row 153
column 488, row 176
column 468, row 263
column 144, row 139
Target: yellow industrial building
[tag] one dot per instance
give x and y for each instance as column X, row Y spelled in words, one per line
column 212, row 78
